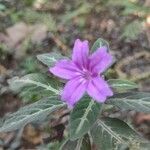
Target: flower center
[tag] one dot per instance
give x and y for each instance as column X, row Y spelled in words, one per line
column 86, row 74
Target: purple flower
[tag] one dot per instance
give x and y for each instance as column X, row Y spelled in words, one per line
column 83, row 73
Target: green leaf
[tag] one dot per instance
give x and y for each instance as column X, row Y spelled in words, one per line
column 37, row 111
column 138, row 101
column 109, row 133
column 34, row 86
column 33, row 82
column 68, row 145
column 99, row 43
column 80, row 144
column 2, row 7
column 49, row 59
column 29, row 65
column 83, row 117
column 145, row 145
column 119, row 84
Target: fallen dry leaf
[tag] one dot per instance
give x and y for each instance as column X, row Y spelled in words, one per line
column 16, row 34
column 141, row 117
column 3, row 70
column 39, row 33
column 32, row 135
column 3, row 37
column 38, row 4
column 7, row 138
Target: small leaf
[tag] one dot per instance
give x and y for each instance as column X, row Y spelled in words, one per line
column 99, row 43
column 83, row 117
column 50, row 59
column 138, row 101
column 109, row 133
column 119, row 84
column 37, row 111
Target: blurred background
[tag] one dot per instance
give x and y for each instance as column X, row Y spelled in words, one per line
column 31, row 27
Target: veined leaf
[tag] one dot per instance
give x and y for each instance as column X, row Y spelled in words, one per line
column 37, row 111
column 83, row 117
column 33, row 82
column 79, row 144
column 99, row 43
column 33, row 87
column 49, row 59
column 138, row 101
column 119, row 84
column 109, row 133
column 68, row 145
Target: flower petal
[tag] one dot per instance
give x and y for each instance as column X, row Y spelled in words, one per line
column 64, row 69
column 73, row 91
column 98, row 89
column 80, row 53
column 100, row 60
